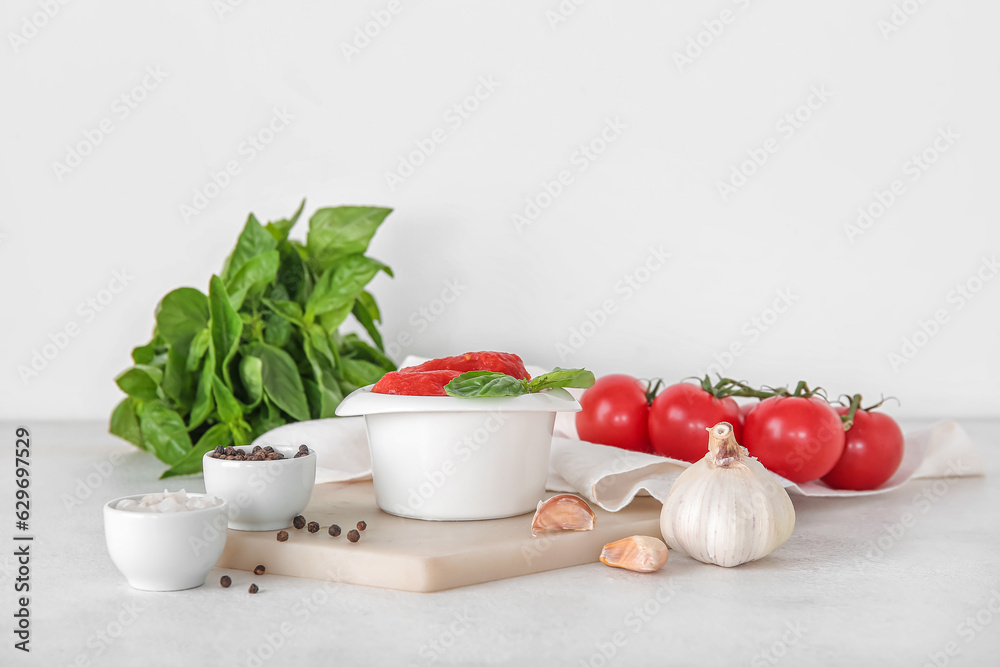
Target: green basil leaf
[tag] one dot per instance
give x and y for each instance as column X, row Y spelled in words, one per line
column 342, row 231
column 279, row 229
column 125, row 422
column 254, row 240
column 293, row 275
column 289, row 310
column 144, row 354
column 164, row 432
column 282, row 382
column 485, row 384
column 182, row 314
column 337, row 288
column 277, row 330
column 367, row 319
column 359, row 348
column 577, row 378
column 228, row 407
column 204, row 404
column 253, row 275
column 191, row 464
column 199, row 346
column 361, row 372
column 178, row 383
column 323, row 401
column 141, row 381
column 251, row 374
column 226, row 325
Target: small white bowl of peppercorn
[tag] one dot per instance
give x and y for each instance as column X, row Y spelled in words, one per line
column 264, row 487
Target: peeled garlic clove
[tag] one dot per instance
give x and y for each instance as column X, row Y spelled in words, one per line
column 638, row 553
column 563, row 512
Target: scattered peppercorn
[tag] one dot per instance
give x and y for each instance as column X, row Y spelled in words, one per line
column 253, row 589
column 335, row 530
column 362, row 525
column 353, row 535
column 282, row 535
column 259, row 570
column 225, row 581
column 299, row 521
column 313, row 527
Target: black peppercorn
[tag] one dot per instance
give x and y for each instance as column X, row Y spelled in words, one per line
column 259, row 570
column 304, row 449
column 313, row 527
column 362, row 525
column 335, row 530
column 253, row 589
column 353, row 535
column 225, row 581
column 282, row 536
column 299, row 521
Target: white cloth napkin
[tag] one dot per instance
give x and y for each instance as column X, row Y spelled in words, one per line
column 612, row 477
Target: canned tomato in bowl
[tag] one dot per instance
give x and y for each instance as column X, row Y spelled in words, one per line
column 447, row 458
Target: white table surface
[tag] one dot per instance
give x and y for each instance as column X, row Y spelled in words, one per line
column 824, row 598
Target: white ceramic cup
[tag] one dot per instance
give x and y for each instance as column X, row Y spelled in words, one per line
column 262, row 495
column 171, row 551
column 444, row 458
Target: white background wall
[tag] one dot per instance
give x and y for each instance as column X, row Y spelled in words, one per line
column 558, row 83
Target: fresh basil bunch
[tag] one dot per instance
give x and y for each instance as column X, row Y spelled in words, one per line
column 262, row 348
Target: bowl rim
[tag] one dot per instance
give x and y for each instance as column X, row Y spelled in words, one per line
column 223, row 504
column 364, row 401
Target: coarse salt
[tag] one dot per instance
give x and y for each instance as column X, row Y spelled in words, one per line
column 168, row 502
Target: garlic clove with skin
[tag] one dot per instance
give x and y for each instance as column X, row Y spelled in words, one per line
column 563, row 512
column 726, row 509
column 638, row 553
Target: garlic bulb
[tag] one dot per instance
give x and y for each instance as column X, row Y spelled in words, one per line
column 726, row 509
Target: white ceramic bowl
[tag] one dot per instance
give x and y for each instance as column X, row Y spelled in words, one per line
column 262, row 495
column 171, row 551
column 444, row 458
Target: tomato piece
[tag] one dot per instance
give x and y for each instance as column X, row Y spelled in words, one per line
column 872, row 454
column 679, row 417
column 799, row 438
column 498, row 362
column 427, row 383
column 616, row 413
